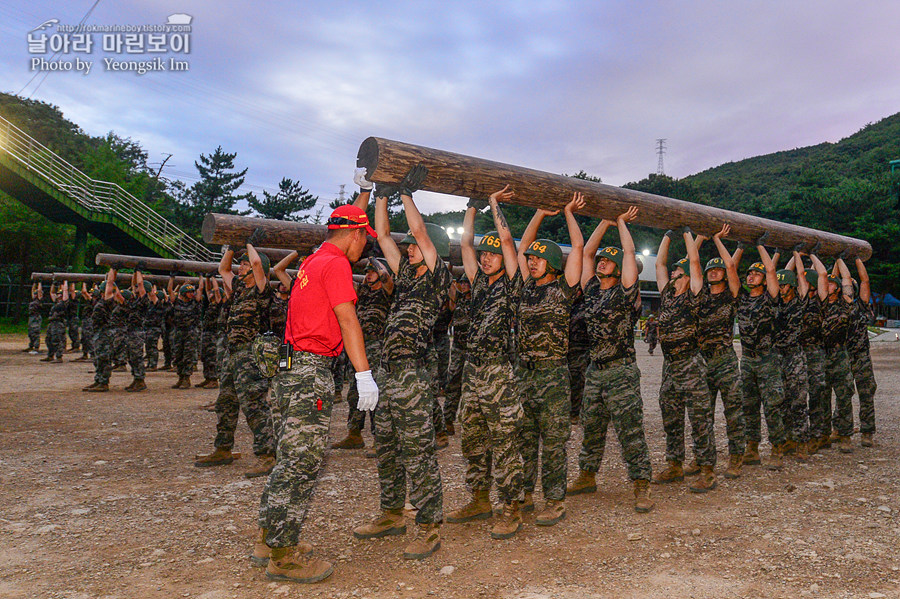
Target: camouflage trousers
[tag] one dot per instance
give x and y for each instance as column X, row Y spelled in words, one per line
column 151, row 345
column 838, row 378
column 242, row 388
column 87, row 338
column 796, row 390
column 168, row 338
column 118, row 335
column 102, row 356
column 356, row 420
column 404, row 441
column 56, row 338
column 184, row 350
column 545, row 428
column 221, row 352
column 762, row 385
column 303, row 396
column 723, row 375
column 864, row 376
column 612, row 393
column 74, row 327
column 339, row 371
column 818, row 403
column 652, row 340
column 453, row 388
column 34, row 332
column 432, row 365
column 442, row 346
column 208, row 354
column 134, row 352
column 578, row 360
column 491, row 420
column 685, row 388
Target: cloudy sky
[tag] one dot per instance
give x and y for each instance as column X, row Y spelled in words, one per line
column 294, row 87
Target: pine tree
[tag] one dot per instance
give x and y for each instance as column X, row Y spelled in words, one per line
column 286, row 204
column 214, row 192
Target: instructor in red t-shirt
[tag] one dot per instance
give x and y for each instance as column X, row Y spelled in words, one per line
column 321, row 322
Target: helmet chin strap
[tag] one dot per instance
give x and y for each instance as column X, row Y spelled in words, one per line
column 416, row 265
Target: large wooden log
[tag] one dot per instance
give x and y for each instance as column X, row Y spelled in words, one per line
column 388, row 161
column 163, row 264
column 122, row 279
column 302, row 237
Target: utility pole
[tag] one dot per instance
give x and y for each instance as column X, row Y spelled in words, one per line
column 660, row 151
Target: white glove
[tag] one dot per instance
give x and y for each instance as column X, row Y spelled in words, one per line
column 359, row 177
column 368, row 391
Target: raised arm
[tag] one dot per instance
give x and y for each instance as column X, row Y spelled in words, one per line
column 365, row 188
column 528, row 238
column 170, row 287
column 576, row 240
column 662, row 261
column 822, row 272
column 225, row 266
column 139, row 283
column 693, row 255
column 259, row 274
column 846, row 280
column 629, row 264
column 419, row 231
column 507, row 243
column 467, row 242
column 771, row 277
column 589, row 254
column 796, row 264
column 865, row 289
column 280, row 268
column 387, row 281
column 65, row 290
column 109, row 290
column 383, row 228
column 215, row 289
column 731, row 271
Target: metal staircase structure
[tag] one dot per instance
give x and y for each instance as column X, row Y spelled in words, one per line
column 33, row 174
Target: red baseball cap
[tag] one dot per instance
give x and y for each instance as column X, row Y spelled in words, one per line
column 349, row 216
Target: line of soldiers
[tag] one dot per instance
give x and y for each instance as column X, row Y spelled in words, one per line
column 514, row 312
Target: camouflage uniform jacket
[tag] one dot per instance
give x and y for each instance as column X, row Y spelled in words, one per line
column 860, row 316
column 811, row 330
column 278, row 315
column 185, row 314
column 442, row 324
column 756, row 321
column 543, row 319
column 716, row 320
column 836, row 323
column 249, row 307
column 58, row 312
column 34, row 307
column 461, row 319
column 210, row 316
column 492, row 315
column 137, row 312
column 118, row 317
column 609, row 314
column 678, row 318
column 156, row 315
column 372, row 310
column 101, row 315
column 414, row 309
column 87, row 310
column 224, row 312
column 789, row 324
column 578, row 333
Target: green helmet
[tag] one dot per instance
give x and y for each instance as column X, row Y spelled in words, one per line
column 684, row 264
column 438, row 237
column 186, row 288
column 102, row 287
column 787, row 277
column 758, row 267
column 834, row 279
column 714, row 263
column 382, row 261
column 463, row 278
column 148, row 286
column 812, row 277
column 490, row 243
column 126, row 293
column 548, row 250
column 160, row 295
column 262, row 258
column 612, row 253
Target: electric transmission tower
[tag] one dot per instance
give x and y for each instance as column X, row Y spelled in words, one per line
column 342, row 195
column 660, row 151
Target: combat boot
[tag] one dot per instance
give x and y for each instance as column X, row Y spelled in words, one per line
column 478, row 508
column 801, row 454
column 527, row 506
column 705, row 482
column 776, row 459
column 178, row 384
column 136, row 385
column 825, row 442
column 751, row 455
column 674, row 473
column 264, row 465
column 812, row 446
column 866, row 440
column 441, row 440
column 509, row 523
column 428, row 541
column 292, row 565
column 451, row 430
column 211, row 384
column 186, row 382
column 585, row 483
column 844, row 445
column 353, row 440
column 789, row 447
column 834, row 436
column 692, row 469
column 735, row 465
column 97, row 388
column 90, row 387
column 553, row 512
column 220, row 457
column 642, row 501
column 166, row 366
column 261, row 552
column 391, row 522
column 47, row 359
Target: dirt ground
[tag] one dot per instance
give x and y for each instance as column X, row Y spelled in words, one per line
column 99, row 498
